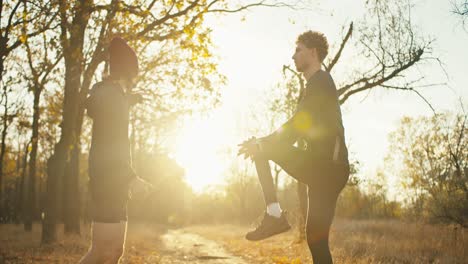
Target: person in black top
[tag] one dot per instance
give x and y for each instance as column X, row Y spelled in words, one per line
column 323, row 164
column 110, row 170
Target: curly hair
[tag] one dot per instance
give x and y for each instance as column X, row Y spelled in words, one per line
column 314, row 39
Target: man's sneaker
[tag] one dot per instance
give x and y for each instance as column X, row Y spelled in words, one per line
column 269, row 226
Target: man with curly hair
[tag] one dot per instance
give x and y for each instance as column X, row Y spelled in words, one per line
column 323, row 165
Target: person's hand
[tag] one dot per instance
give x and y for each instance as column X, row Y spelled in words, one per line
column 136, row 98
column 139, row 186
column 243, row 149
column 249, row 148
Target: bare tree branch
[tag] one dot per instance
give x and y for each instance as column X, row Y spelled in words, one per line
column 369, row 83
column 263, row 3
column 166, row 18
column 460, row 8
column 415, row 91
column 335, row 59
column 12, row 14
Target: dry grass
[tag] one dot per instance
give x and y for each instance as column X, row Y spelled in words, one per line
column 351, row 242
column 397, row 242
column 17, row 246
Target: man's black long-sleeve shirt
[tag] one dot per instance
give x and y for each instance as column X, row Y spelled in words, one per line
column 318, row 120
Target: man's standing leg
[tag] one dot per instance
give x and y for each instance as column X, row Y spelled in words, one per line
column 319, row 218
column 322, row 196
column 108, row 241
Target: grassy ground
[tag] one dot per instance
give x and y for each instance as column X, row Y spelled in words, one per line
column 17, row 246
column 351, row 241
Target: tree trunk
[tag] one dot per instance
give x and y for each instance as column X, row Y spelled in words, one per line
column 16, row 207
column 71, row 210
column 49, row 225
column 3, row 147
column 72, row 199
column 73, row 110
column 62, row 153
column 18, row 185
column 72, row 194
column 2, row 55
column 42, row 195
column 23, row 186
column 57, row 163
column 72, row 39
column 31, row 210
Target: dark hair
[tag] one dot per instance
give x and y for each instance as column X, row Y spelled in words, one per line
column 314, row 39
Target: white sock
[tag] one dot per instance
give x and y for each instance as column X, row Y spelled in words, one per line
column 274, row 209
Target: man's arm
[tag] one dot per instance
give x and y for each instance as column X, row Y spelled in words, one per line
column 313, row 116
column 284, row 133
column 313, row 120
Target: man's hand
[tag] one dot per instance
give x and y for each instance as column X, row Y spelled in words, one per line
column 139, row 186
column 249, row 148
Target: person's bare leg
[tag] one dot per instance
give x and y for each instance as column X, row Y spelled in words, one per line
column 108, row 240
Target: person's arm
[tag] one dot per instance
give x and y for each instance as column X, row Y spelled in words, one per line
column 314, row 113
column 253, row 145
column 93, row 101
column 134, row 99
column 285, row 133
column 314, row 118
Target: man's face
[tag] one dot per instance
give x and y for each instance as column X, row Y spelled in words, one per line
column 303, row 57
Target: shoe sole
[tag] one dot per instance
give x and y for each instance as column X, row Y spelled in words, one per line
column 271, row 235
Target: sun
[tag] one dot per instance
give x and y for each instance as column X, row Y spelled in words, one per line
column 199, row 150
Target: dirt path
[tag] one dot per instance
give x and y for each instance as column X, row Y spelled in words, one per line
column 181, row 246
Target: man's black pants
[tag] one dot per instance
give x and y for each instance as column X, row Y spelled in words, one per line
column 325, row 180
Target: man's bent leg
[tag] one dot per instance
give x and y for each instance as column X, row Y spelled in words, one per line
column 266, row 180
column 108, row 241
column 274, row 220
column 294, row 161
column 325, row 180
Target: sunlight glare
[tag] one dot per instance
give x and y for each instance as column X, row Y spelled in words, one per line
column 199, row 151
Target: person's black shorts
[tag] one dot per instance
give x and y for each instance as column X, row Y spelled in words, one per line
column 108, row 200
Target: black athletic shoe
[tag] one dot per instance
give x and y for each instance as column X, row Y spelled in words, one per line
column 269, row 226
